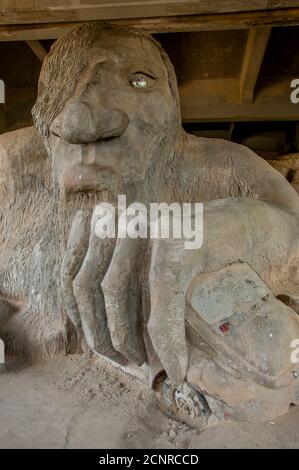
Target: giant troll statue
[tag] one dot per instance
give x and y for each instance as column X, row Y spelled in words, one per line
column 214, row 329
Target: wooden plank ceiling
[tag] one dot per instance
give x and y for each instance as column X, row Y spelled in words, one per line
column 50, row 23
column 44, row 11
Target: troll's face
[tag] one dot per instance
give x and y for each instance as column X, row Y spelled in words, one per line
column 120, row 116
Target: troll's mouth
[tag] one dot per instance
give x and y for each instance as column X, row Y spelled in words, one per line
column 87, row 177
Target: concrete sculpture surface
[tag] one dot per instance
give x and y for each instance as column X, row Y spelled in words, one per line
column 213, row 326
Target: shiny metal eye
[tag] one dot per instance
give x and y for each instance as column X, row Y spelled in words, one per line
column 142, row 80
column 139, row 83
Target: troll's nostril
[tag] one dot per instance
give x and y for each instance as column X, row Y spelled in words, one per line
column 107, row 139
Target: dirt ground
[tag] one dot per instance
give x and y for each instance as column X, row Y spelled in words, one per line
column 82, row 402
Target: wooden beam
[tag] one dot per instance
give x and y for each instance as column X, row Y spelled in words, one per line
column 35, row 32
column 254, row 53
column 32, row 11
column 275, row 110
column 38, row 49
column 226, row 21
column 219, row 100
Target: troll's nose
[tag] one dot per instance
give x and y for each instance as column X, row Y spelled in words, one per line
column 80, row 123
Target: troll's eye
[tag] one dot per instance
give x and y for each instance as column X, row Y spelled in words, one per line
column 142, row 81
